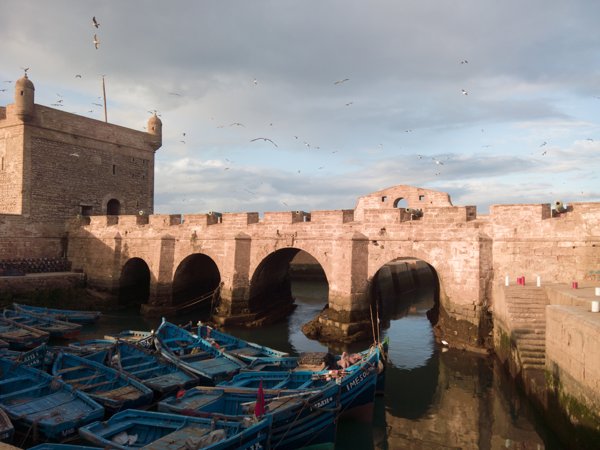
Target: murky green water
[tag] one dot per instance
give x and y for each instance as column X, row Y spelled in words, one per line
column 435, row 398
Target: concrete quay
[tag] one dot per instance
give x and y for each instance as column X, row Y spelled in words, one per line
column 549, row 340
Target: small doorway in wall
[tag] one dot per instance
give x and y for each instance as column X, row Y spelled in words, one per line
column 113, row 207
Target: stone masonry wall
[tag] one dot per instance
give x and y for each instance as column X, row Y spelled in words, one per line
column 57, row 165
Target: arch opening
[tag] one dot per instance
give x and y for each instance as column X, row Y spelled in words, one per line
column 400, row 203
column 406, row 295
column 134, row 283
column 113, row 207
column 196, row 280
column 284, row 276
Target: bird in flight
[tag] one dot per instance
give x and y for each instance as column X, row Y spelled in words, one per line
column 543, row 143
column 78, row 76
column 464, row 92
column 237, row 124
column 255, row 81
column 75, row 155
column 341, row 81
column 96, row 42
column 464, row 61
column 438, row 162
column 95, row 22
column 264, row 139
column 175, row 93
column 349, row 103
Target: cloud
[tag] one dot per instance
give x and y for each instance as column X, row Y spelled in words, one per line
column 531, row 77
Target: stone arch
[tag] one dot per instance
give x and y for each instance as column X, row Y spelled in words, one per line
column 134, row 283
column 197, row 276
column 401, row 203
column 113, row 207
column 403, row 274
column 270, row 284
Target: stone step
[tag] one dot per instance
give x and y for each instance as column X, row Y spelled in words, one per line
column 534, row 365
column 540, row 306
column 531, row 356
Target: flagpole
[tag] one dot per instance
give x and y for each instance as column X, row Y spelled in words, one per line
column 104, row 96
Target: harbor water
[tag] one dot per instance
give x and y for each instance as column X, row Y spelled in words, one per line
column 436, row 397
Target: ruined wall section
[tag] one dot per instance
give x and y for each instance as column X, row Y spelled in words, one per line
column 413, row 197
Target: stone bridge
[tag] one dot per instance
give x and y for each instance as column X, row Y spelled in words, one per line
column 178, row 258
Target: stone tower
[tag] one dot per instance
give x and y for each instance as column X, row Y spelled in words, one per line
column 55, row 165
column 24, row 98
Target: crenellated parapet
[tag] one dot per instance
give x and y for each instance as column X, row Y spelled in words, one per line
column 470, row 254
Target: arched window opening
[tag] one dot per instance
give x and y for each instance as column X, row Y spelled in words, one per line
column 400, row 203
column 113, row 207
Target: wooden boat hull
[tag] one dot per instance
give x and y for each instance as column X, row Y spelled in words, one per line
column 7, row 430
column 112, row 389
column 55, row 328
column 32, row 398
column 357, row 383
column 300, row 419
column 153, row 370
column 162, row 431
column 244, row 350
column 21, row 337
column 195, row 355
column 70, row 315
column 36, row 358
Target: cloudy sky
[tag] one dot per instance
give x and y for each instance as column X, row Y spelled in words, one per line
column 491, row 101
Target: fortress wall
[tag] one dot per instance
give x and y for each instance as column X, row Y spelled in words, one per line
column 528, row 241
column 572, row 362
column 20, row 238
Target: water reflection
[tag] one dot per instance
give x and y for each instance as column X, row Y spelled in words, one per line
column 433, row 399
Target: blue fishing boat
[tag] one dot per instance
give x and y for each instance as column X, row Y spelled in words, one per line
column 357, row 382
column 244, row 350
column 196, row 355
column 37, row 358
column 151, row 369
column 301, row 419
column 55, row 328
column 69, row 315
column 7, row 430
column 34, row 400
column 56, row 446
column 21, row 337
column 140, row 338
column 163, row 431
column 89, row 346
column 112, row 389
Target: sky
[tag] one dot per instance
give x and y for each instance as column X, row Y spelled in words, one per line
column 307, row 105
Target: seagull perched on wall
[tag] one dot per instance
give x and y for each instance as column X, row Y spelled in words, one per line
column 264, row 139
column 95, row 22
column 96, row 42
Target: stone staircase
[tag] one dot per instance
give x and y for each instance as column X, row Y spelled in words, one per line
column 526, row 307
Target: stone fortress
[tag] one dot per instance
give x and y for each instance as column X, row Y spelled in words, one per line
column 82, row 189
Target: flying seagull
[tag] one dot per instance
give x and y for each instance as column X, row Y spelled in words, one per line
column 464, row 92
column 78, row 76
column 264, row 139
column 237, row 124
column 96, row 42
column 76, row 155
column 95, row 22
column 341, row 81
column 464, row 61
